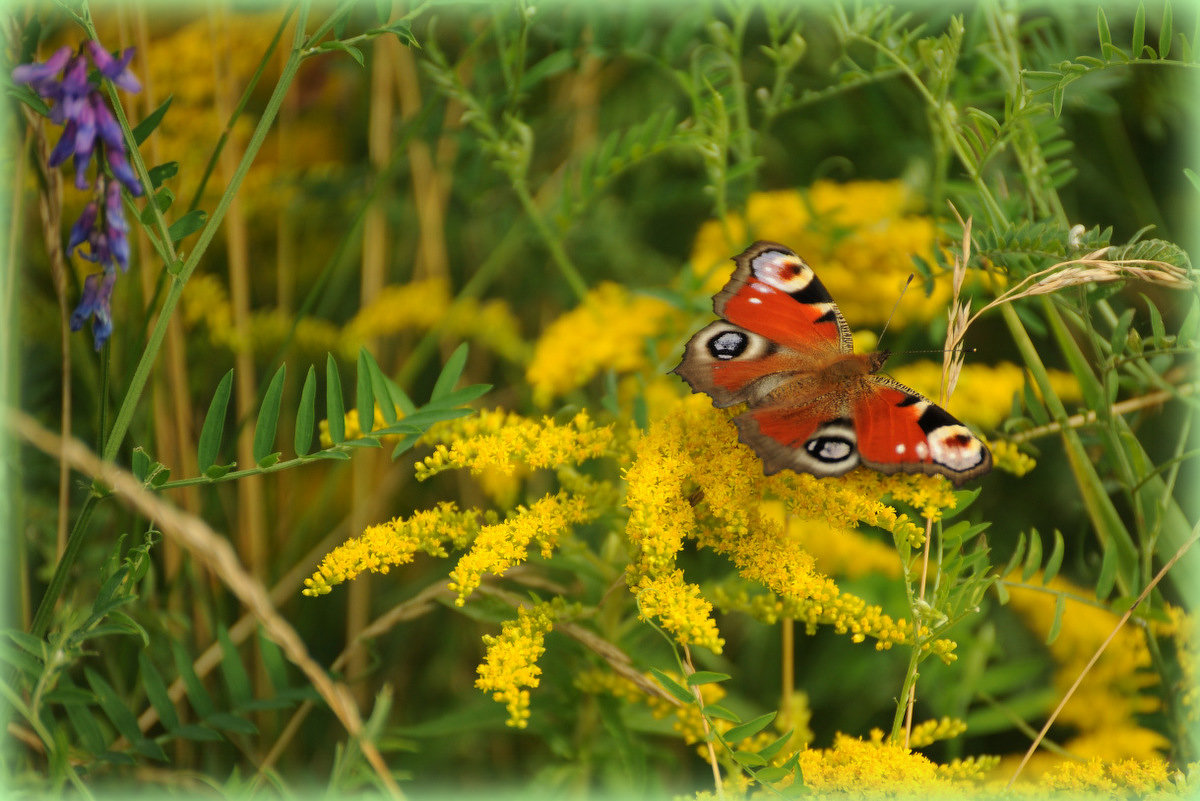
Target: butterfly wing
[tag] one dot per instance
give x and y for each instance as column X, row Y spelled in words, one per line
column 900, row 431
column 780, row 322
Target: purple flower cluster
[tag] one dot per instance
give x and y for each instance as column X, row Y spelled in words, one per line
column 91, row 132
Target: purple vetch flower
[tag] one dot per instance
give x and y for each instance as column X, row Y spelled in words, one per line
column 91, row 134
column 97, row 304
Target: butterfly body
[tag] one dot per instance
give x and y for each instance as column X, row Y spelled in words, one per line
column 813, row 405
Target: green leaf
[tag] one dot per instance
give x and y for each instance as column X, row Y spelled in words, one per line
column 406, row 442
column 771, row 774
column 775, row 747
column 1165, row 31
column 1055, row 561
column 156, row 690
column 1139, row 30
column 230, row 722
column 335, row 409
column 1193, row 178
column 88, row 728
column 363, row 394
column 1033, row 559
column 140, row 463
column 162, row 172
column 1016, row 556
column 721, row 712
column 379, row 387
column 403, row 402
column 198, row 697
column 707, row 677
column 146, row 127
column 268, row 416
column 749, row 759
column 187, row 225
column 1156, row 322
column 214, row 424
column 306, row 414
column 114, row 708
column 236, row 677
column 450, row 373
column 342, row 47
column 1102, row 26
column 1108, row 573
column 460, row 396
column 749, row 728
column 191, row 731
column 681, row 693
column 162, row 200
column 1060, row 605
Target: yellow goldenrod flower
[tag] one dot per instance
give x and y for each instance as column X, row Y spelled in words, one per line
column 499, row 546
column 874, row 769
column 610, row 330
column 1104, row 710
column 929, row 732
column 836, row 551
column 504, row 441
column 857, row 236
column 510, row 664
column 679, row 608
column 394, row 543
column 1125, row 778
column 971, row 770
column 1008, row 457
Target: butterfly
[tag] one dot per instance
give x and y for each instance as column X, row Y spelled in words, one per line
column 815, row 406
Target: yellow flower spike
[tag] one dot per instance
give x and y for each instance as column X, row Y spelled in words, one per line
column 510, row 664
column 505, row 441
column 871, row 769
column 499, row 546
column 1126, row 778
column 970, row 770
column 608, row 331
column 394, row 543
column 929, row 732
column 1007, row 456
column 679, row 608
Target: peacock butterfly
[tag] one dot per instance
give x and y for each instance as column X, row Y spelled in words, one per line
column 813, row 405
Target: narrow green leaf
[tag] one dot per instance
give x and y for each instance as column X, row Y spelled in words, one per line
column 1055, row 561
column 1120, row 334
column 749, row 728
column 306, row 414
column 335, row 409
column 768, row 752
column 114, row 708
column 1060, row 606
column 342, row 47
column 771, row 774
column 214, row 424
column 1033, row 559
column 403, row 402
column 151, row 749
column 1016, row 556
column 363, row 394
column 460, row 396
column 1139, row 30
column 1001, row 593
column 405, row 444
column 236, row 677
column 707, row 677
column 273, row 662
column 683, row 694
column 191, row 731
column 156, row 690
column 1165, row 31
column 88, row 728
column 140, row 463
column 268, row 416
column 227, row 721
column 379, row 386
column 198, row 697
column 1102, row 27
column 1192, row 177
column 1156, row 322
column 450, row 374
column 749, row 759
column 721, row 712
column 1057, row 98
column 146, row 127
column 1108, row 573
column 187, row 225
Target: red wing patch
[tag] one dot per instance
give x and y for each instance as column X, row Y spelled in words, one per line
column 780, row 318
column 901, row 431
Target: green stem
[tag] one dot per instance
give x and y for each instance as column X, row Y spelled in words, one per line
column 561, row 260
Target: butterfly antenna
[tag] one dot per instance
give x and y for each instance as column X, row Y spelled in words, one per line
column 892, row 313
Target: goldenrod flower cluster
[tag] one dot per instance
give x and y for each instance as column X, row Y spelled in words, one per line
column 1131, row 778
column 1008, row 457
column 859, row 237
column 610, row 330
column 931, row 731
column 1104, row 710
column 504, row 441
column 510, row 665
column 394, row 543
column 499, row 546
column 871, row 769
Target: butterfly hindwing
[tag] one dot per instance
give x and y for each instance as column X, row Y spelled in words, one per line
column 900, row 431
column 796, row 438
